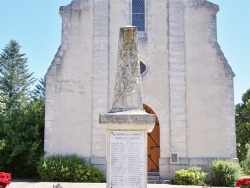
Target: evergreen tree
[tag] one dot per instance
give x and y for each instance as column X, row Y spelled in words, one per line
column 2, row 105
column 40, row 89
column 21, row 119
column 15, row 79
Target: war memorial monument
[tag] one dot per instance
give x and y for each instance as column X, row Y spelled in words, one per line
column 127, row 124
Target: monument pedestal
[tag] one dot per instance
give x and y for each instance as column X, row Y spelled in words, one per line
column 127, row 148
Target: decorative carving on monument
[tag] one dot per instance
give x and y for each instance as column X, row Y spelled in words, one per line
column 127, row 93
column 128, row 81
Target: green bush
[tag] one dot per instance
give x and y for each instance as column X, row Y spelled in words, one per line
column 225, row 172
column 246, row 163
column 70, row 168
column 191, row 176
column 21, row 140
column 246, row 166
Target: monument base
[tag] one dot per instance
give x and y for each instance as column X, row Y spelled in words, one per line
column 127, row 148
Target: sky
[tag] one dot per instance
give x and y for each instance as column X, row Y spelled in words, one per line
column 36, row 25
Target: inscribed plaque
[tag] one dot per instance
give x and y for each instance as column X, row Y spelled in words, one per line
column 127, row 159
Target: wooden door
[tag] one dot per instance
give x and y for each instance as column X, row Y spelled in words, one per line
column 153, row 144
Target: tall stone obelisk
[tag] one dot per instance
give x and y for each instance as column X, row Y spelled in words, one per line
column 127, row 123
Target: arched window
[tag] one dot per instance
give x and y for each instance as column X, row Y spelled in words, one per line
column 138, row 14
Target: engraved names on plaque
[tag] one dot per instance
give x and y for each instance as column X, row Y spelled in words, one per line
column 127, row 159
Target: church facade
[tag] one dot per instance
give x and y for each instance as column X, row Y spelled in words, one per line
column 186, row 82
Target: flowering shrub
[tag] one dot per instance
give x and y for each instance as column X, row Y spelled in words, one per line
column 4, row 179
column 243, row 183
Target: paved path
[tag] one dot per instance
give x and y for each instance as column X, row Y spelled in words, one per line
column 21, row 184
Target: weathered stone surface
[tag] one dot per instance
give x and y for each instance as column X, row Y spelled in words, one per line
column 177, row 74
column 127, row 117
column 127, row 92
column 100, row 73
column 127, row 102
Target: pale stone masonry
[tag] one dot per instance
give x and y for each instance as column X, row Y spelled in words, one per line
column 187, row 83
column 100, row 74
column 177, row 77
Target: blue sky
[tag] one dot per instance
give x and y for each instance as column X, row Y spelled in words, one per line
column 36, row 25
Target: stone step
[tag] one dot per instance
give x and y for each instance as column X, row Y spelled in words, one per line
column 153, row 173
column 159, row 182
column 154, row 178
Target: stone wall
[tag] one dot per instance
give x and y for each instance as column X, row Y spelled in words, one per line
column 177, row 74
column 204, row 89
column 68, row 116
column 100, row 74
column 208, row 75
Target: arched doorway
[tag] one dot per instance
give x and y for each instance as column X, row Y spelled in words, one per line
column 153, row 143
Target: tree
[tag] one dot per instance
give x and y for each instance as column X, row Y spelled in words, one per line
column 22, row 146
column 22, row 116
column 2, row 105
column 40, row 89
column 15, row 79
column 242, row 118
